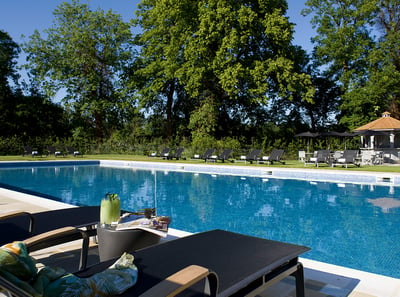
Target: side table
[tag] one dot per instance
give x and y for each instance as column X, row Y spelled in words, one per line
column 113, row 243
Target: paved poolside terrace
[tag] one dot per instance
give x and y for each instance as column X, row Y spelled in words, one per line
column 321, row 279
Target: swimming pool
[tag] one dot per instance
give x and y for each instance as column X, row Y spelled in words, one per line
column 344, row 223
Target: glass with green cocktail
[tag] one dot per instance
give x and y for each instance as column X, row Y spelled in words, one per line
column 110, row 209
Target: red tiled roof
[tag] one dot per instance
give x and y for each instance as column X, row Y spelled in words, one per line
column 386, row 122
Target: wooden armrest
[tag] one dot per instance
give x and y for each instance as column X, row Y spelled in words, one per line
column 182, row 280
column 58, row 236
column 12, row 214
column 52, row 237
column 17, row 213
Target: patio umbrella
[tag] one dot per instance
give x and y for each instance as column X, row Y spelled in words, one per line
column 338, row 134
column 308, row 135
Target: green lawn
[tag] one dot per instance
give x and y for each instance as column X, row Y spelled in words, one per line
column 289, row 163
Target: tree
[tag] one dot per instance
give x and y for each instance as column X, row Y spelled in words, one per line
column 84, row 53
column 301, row 115
column 363, row 64
column 236, row 52
column 9, row 51
column 165, row 25
column 385, row 59
column 37, row 117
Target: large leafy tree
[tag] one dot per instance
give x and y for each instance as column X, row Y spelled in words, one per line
column 9, row 51
column 84, row 54
column 357, row 45
column 383, row 86
column 233, row 55
column 320, row 114
column 165, row 26
column 25, row 116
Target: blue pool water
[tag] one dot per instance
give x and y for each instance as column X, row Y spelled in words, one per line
column 339, row 222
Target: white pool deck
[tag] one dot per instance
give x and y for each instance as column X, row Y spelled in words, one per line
column 321, row 279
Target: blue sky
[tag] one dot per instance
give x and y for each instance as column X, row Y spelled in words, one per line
column 22, row 17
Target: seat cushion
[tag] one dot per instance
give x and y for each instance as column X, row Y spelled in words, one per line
column 20, row 269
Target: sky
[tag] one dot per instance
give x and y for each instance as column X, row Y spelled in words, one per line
column 23, row 17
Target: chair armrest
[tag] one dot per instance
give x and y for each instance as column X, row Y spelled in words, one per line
column 183, row 279
column 58, row 236
column 52, row 237
column 17, row 213
column 11, row 214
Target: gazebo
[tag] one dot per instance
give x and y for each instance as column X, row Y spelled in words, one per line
column 383, row 135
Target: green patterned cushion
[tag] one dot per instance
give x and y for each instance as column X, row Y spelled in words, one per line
column 19, row 268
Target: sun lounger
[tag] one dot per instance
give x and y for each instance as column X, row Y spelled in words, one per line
column 51, row 150
column 206, row 155
column 177, row 155
column 171, row 286
column 322, row 157
column 224, row 156
column 349, row 158
column 72, row 151
column 253, row 156
column 19, row 277
column 28, row 151
column 239, row 261
column 65, row 224
column 165, row 153
column 244, row 264
column 275, row 156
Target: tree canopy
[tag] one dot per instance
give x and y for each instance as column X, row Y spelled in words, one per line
column 205, row 73
column 84, row 53
column 357, row 43
column 235, row 55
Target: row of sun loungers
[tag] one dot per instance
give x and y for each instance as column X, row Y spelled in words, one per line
column 210, row 155
column 216, row 262
column 255, row 156
column 167, row 155
column 51, row 150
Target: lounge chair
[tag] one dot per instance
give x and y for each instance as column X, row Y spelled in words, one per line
column 51, row 150
column 224, row 156
column 171, row 286
column 322, row 157
column 72, row 151
column 349, row 157
column 240, row 262
column 205, row 156
column 275, row 156
column 64, row 224
column 177, row 155
column 244, row 265
column 165, row 153
column 29, row 151
column 253, row 156
column 153, row 154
